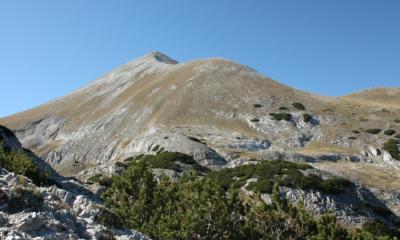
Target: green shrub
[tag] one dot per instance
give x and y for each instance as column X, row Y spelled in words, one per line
column 23, row 199
column 283, row 108
column 352, row 138
column 307, row 117
column 373, row 130
column 397, row 120
column 389, row 132
column 285, row 173
column 356, row 131
column 298, row 106
column 155, row 149
column 198, row 208
column 335, row 185
column 20, row 163
column 254, row 120
column 397, row 136
column 170, row 160
column 257, row 105
column 281, row 116
column 377, row 228
column 391, row 147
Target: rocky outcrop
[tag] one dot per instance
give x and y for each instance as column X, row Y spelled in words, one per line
column 31, row 212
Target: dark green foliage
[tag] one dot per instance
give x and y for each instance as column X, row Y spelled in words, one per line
column 397, row 136
column 391, row 147
column 20, row 163
column 121, row 165
column 108, row 218
column 377, row 228
column 172, row 160
column 102, row 180
column 356, row 131
column 397, row 120
column 335, row 185
column 254, row 120
column 281, row 116
column 283, row 108
column 374, row 130
column 352, row 138
column 380, row 210
column 257, row 105
column 286, row 173
column 298, row 106
column 23, row 199
column 307, row 117
column 199, row 208
column 187, row 209
column 389, row 132
column 155, row 149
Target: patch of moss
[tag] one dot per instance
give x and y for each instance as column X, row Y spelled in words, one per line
column 389, row 132
column 391, row 147
column 374, row 130
column 281, row 116
column 307, row 117
column 298, row 106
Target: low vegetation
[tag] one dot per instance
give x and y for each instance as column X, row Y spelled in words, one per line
column 254, row 120
column 24, row 199
column 257, row 105
column 281, row 116
column 374, row 130
column 170, row 160
column 397, row 136
column 389, row 132
column 298, row 106
column 355, row 132
column 20, row 163
column 397, row 120
column 307, row 117
column 391, row 146
column 284, row 173
column 199, row 208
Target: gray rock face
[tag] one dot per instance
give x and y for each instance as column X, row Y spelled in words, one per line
column 60, row 214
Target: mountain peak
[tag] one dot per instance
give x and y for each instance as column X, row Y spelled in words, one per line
column 161, row 57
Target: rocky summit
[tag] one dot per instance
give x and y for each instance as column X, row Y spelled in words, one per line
column 223, row 115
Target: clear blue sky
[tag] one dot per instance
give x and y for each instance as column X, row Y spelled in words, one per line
column 49, row 48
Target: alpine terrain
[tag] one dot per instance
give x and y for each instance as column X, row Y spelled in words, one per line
column 334, row 155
